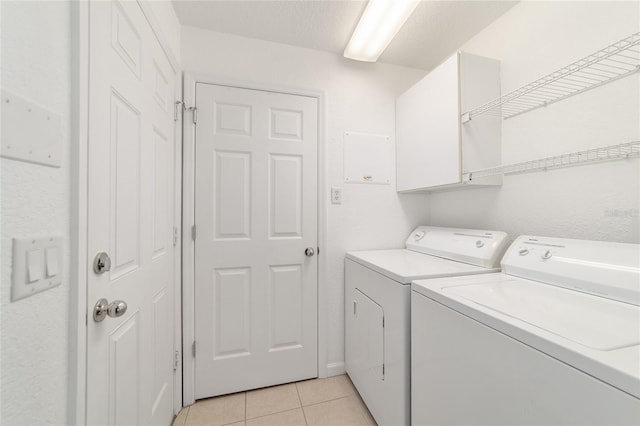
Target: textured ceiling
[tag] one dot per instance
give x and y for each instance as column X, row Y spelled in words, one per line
column 433, row 32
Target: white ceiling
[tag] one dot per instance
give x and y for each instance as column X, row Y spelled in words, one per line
column 434, row 31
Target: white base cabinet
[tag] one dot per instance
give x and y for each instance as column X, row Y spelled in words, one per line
column 434, row 149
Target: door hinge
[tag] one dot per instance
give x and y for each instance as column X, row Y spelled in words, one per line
column 193, row 232
column 382, row 322
column 194, row 112
column 175, row 236
column 178, row 107
column 318, row 251
column 176, row 360
column 193, row 349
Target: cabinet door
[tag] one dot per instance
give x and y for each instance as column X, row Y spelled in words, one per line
column 428, row 130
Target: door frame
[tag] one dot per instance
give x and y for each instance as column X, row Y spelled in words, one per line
column 78, row 165
column 188, row 217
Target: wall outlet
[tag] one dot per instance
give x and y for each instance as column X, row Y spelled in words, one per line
column 336, row 195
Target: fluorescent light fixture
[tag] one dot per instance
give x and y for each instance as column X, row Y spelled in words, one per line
column 380, row 22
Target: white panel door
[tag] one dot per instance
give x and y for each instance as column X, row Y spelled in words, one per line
column 130, row 217
column 255, row 214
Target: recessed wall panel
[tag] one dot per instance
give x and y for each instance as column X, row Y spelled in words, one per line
column 285, row 124
column 231, row 310
column 124, row 377
column 125, row 39
column 233, row 119
column 232, row 195
column 285, row 196
column 125, row 186
column 285, row 307
column 162, row 188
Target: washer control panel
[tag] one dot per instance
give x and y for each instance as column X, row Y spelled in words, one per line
column 601, row 268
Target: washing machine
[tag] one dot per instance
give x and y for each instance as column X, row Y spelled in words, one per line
column 377, row 308
column 554, row 339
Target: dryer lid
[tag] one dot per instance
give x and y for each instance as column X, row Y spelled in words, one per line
column 475, row 247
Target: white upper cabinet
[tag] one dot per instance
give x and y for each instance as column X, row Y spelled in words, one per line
column 433, row 148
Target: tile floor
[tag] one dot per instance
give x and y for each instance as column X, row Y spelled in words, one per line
column 318, row 402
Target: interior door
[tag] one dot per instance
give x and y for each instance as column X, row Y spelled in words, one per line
column 130, row 218
column 256, row 238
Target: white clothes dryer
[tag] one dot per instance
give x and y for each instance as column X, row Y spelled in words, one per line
column 553, row 339
column 377, row 308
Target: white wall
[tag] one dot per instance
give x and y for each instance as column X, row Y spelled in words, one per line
column 359, row 97
column 36, row 53
column 599, row 202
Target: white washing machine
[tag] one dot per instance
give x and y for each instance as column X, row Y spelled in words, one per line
column 377, row 308
column 552, row 340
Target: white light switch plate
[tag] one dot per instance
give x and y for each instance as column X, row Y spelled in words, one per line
column 37, row 265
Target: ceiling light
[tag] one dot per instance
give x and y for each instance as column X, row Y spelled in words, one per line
column 380, row 22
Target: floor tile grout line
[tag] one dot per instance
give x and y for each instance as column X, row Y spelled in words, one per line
column 328, row 400
column 301, row 406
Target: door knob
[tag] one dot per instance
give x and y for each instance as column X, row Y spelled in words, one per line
column 309, row 251
column 115, row 309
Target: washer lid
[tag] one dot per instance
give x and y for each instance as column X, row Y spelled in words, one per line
column 597, row 335
column 405, row 266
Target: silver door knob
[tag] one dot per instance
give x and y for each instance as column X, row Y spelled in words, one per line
column 115, row 309
column 309, row 251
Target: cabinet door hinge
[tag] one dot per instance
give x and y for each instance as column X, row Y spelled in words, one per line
column 175, row 236
column 193, row 349
column 193, row 232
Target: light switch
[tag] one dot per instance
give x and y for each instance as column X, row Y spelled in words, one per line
column 34, row 265
column 52, row 261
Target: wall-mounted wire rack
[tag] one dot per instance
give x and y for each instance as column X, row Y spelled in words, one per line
column 596, row 155
column 612, row 63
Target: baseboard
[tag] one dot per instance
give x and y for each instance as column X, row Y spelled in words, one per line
column 335, row 369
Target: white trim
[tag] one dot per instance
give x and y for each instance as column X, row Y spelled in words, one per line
column 335, row 369
column 188, row 258
column 188, row 254
column 177, row 250
column 78, row 229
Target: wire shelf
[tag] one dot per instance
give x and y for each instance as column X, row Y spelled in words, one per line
column 612, row 63
column 607, row 153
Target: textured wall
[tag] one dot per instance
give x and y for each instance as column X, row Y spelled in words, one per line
column 599, row 202
column 360, row 97
column 35, row 48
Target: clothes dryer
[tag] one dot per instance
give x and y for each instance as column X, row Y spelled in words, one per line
column 377, row 308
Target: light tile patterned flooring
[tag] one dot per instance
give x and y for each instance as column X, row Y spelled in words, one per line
column 318, row 402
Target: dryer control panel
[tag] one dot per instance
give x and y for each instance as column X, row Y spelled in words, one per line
column 476, row 247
